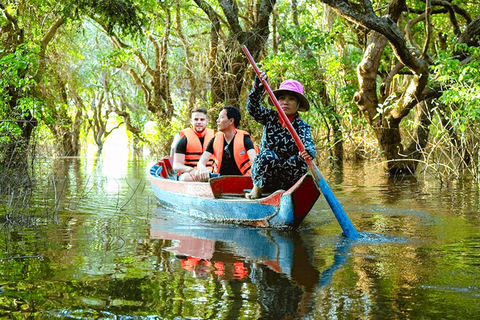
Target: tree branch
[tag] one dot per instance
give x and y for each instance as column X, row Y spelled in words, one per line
column 139, row 55
column 384, row 25
column 451, row 11
column 8, row 16
column 385, row 86
column 214, row 33
column 471, row 35
column 145, row 88
column 230, row 9
column 428, row 28
column 408, row 30
column 50, row 34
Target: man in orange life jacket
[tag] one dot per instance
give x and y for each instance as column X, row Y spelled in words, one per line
column 233, row 149
column 191, row 145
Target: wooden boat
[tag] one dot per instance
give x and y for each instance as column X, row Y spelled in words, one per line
column 223, row 199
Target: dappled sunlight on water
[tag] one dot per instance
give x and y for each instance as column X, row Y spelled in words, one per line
column 108, row 250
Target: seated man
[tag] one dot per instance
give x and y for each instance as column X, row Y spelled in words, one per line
column 233, row 149
column 191, row 145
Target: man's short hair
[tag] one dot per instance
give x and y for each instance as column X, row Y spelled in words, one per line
column 200, row 109
column 234, row 113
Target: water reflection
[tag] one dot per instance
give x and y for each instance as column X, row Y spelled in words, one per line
column 277, row 262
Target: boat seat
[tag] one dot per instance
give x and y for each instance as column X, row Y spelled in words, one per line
column 167, row 161
column 230, row 185
column 162, row 171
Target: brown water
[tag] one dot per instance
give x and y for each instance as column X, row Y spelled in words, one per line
column 100, row 247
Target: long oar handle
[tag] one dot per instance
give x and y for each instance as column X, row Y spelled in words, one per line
column 342, row 218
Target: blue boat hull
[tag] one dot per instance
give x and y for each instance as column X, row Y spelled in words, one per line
column 222, row 199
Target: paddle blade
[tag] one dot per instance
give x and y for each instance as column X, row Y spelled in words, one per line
column 348, row 229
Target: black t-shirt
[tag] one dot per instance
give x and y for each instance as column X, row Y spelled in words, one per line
column 182, row 145
column 229, row 166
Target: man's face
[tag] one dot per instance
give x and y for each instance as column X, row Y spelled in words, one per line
column 223, row 122
column 199, row 121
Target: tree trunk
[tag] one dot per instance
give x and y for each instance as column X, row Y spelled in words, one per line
column 227, row 70
column 385, row 119
column 155, row 82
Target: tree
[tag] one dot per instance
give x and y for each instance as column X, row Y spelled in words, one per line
column 27, row 30
column 64, row 116
column 305, row 48
column 17, row 59
column 227, row 64
column 385, row 106
column 100, row 111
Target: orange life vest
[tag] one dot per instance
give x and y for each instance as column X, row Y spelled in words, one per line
column 194, row 148
column 239, row 152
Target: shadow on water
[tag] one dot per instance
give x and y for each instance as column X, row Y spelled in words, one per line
column 278, row 262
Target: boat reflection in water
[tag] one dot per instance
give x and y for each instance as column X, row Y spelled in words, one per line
column 224, row 246
column 276, row 263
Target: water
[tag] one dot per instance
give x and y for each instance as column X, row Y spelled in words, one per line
column 101, row 247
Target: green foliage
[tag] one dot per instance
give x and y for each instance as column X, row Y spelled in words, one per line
column 314, row 46
column 17, row 78
column 16, row 97
column 124, row 16
column 310, row 53
column 461, row 83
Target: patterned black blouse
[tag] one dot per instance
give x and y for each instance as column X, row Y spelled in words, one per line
column 278, row 146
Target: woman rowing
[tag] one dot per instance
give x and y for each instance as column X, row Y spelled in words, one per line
column 279, row 164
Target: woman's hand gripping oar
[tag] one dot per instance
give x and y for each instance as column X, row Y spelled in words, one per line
column 342, row 218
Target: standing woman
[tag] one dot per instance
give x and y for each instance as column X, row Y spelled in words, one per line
column 279, row 165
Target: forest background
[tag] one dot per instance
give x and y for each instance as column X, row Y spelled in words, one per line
column 392, row 80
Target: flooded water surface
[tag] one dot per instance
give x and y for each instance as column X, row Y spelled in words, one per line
column 97, row 245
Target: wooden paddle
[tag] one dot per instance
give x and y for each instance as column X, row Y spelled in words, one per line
column 342, row 218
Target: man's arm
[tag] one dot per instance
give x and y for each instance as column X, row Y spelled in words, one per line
column 179, row 156
column 202, row 172
column 247, row 141
column 179, row 163
column 251, row 154
column 174, row 144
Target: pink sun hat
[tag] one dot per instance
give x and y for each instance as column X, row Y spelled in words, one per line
column 295, row 88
